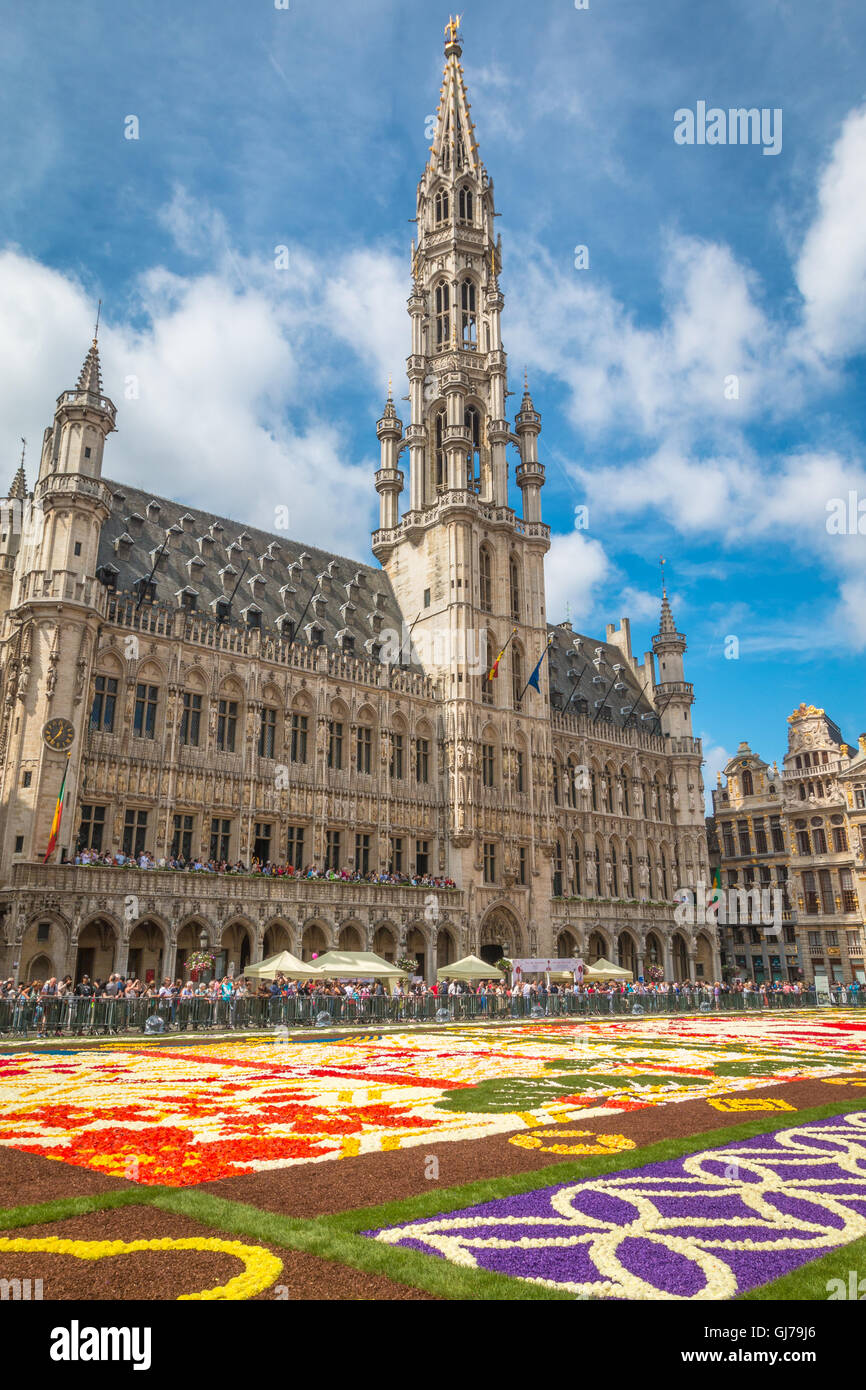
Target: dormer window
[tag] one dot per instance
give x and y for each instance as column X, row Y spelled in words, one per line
column 317, row 636
column 222, row 608
column 253, row 616
column 286, row 628
column 146, row 589
column 188, row 599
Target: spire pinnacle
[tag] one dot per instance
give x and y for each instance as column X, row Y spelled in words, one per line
column 454, row 152
column 90, row 377
column 18, row 490
column 667, row 626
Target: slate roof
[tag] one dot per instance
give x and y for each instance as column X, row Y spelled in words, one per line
column 597, row 680
column 280, row 576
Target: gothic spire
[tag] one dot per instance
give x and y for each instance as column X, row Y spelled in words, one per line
column 454, row 151
column 90, row 376
column 18, row 490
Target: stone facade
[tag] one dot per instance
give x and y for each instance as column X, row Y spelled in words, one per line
column 804, row 830
column 233, row 693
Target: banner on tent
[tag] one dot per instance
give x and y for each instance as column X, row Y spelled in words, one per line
column 537, row 966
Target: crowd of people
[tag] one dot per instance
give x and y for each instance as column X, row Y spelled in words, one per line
column 35, row 998
column 269, row 868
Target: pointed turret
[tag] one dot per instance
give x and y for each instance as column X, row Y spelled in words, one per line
column 389, row 479
column 90, row 376
column 18, row 489
column 674, row 696
column 530, row 472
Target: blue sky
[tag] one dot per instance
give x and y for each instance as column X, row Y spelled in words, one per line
column 244, row 388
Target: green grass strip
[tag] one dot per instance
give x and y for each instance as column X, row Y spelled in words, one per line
column 335, row 1237
column 403, row 1266
column 809, row 1282
column 442, row 1200
column 63, row 1207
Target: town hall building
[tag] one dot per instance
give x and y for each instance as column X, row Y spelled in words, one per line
column 214, row 692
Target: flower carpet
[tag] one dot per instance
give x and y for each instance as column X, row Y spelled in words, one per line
column 685, row 1157
column 182, row 1116
column 708, row 1226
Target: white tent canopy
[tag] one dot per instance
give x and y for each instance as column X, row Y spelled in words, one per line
column 283, row 963
column 602, row 969
column 469, row 968
column 357, row 965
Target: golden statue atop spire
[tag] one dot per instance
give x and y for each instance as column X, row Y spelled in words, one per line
column 451, row 29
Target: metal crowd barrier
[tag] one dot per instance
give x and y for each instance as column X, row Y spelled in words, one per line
column 75, row 1016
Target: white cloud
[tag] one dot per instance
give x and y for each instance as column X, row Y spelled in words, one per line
column 831, row 271
column 222, row 380
column 574, row 568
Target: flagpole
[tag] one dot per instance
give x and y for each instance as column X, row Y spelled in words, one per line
column 535, row 668
column 502, row 653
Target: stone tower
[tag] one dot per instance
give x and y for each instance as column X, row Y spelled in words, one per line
column 466, row 569
column 673, row 698
column 50, row 627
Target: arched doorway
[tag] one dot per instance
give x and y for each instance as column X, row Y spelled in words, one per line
column 627, row 952
column 680, row 957
column 45, row 945
column 385, row 944
column 188, row 941
column 349, row 939
column 500, row 936
column 314, row 942
column 39, row 969
column 146, row 952
column 566, row 945
column 416, row 946
column 277, row 938
column 704, row 958
column 96, row 951
column 446, row 951
column 597, row 947
column 654, row 955
column 234, row 951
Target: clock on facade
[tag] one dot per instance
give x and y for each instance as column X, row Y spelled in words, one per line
column 58, row 734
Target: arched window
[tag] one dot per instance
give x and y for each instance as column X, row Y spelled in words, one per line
column 664, row 875
column 645, row 800
column 516, row 675
column 472, row 424
column 514, row 587
column 442, row 299
column 487, row 685
column 614, row 873
column 440, row 205
column 557, row 871
column 468, row 314
column 624, row 784
column 629, row 873
column 748, row 785
column 555, row 782
column 593, row 782
column 485, row 576
column 439, row 450
column 610, row 780
column 464, row 204
column 576, row 877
